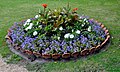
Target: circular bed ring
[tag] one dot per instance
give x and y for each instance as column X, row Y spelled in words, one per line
column 84, row 52
column 58, row 34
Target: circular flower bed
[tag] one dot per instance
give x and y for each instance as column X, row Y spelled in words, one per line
column 58, row 33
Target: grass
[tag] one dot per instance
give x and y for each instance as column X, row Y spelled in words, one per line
column 106, row 11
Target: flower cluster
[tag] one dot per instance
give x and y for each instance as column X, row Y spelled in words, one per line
column 57, row 31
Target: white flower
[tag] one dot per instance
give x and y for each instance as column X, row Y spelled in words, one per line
column 72, row 30
column 78, row 32
column 60, row 28
column 89, row 28
column 69, row 19
column 25, row 24
column 29, row 27
column 80, row 17
column 60, row 16
column 28, row 21
column 37, row 16
column 40, row 26
column 58, row 38
column 26, row 28
column 37, row 23
column 82, row 25
column 112, row 37
column 54, row 16
column 49, row 17
column 52, row 20
column 55, row 10
column 85, row 19
column 35, row 33
column 31, row 24
column 55, row 29
column 67, row 35
column 64, row 10
column 65, row 21
column 71, row 36
column 49, row 14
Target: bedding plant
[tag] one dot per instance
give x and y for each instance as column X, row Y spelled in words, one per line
column 57, row 31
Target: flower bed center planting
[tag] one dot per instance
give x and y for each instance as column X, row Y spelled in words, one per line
column 58, row 33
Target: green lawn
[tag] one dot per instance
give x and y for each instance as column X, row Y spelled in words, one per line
column 105, row 11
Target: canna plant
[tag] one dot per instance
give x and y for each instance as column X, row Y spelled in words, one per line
column 56, row 22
